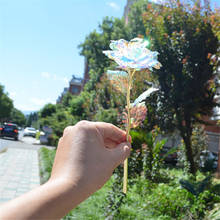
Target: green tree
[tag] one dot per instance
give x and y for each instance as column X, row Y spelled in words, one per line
column 47, row 110
column 66, row 99
column 96, row 94
column 58, row 120
column 32, row 120
column 6, row 105
column 77, row 106
column 96, row 42
column 17, row 117
column 135, row 19
column 184, row 38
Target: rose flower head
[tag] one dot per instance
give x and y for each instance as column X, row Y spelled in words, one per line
column 133, row 54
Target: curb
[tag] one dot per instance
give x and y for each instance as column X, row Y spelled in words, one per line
column 3, row 149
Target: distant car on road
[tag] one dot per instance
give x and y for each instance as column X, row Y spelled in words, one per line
column 29, row 131
column 9, row 130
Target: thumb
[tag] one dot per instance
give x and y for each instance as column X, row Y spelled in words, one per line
column 120, row 153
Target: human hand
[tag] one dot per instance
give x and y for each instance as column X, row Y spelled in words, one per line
column 88, row 153
column 86, row 156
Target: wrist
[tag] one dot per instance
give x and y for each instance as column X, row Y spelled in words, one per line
column 72, row 192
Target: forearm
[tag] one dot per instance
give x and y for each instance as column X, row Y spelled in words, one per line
column 52, row 200
column 86, row 156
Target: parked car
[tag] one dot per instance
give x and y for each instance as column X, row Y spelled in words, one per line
column 9, row 130
column 29, row 131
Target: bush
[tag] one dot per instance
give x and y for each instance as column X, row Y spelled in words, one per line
column 214, row 214
column 38, row 135
column 144, row 200
column 107, row 115
column 148, row 200
column 146, row 156
column 168, row 201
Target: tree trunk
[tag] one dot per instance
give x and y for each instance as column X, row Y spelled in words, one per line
column 186, row 133
column 189, row 154
column 188, row 145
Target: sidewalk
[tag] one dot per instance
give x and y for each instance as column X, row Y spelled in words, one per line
column 19, row 172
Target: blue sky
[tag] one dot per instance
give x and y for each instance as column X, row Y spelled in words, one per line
column 38, row 45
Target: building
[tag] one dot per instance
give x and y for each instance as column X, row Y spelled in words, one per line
column 127, row 9
column 213, row 128
column 75, row 85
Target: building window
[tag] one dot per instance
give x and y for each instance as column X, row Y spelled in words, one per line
column 75, row 90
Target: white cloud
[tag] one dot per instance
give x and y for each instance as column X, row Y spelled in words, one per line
column 54, row 77
column 12, row 95
column 39, row 101
column 46, row 75
column 34, row 104
column 113, row 5
column 51, row 76
column 66, row 80
column 24, row 107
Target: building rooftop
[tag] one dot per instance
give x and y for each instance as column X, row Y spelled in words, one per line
column 76, row 80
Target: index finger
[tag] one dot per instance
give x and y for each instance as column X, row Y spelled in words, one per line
column 111, row 132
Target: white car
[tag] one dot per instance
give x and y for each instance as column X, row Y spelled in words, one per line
column 28, row 131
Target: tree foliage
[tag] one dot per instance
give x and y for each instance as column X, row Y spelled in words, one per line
column 183, row 36
column 58, row 119
column 135, row 18
column 47, row 110
column 7, row 110
column 32, row 120
column 96, row 42
column 17, row 117
column 6, row 105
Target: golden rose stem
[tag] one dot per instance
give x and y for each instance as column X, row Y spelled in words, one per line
column 125, row 179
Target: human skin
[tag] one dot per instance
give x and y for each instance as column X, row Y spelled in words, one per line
column 86, row 157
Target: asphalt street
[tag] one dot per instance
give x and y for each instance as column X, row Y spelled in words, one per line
column 22, row 143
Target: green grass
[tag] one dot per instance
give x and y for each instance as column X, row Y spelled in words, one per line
column 46, row 158
column 93, row 207
column 144, row 200
column 214, row 214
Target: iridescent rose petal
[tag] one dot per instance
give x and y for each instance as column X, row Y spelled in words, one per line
column 133, row 54
column 144, row 95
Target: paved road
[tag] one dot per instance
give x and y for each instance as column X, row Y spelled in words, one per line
column 19, row 171
column 24, row 143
